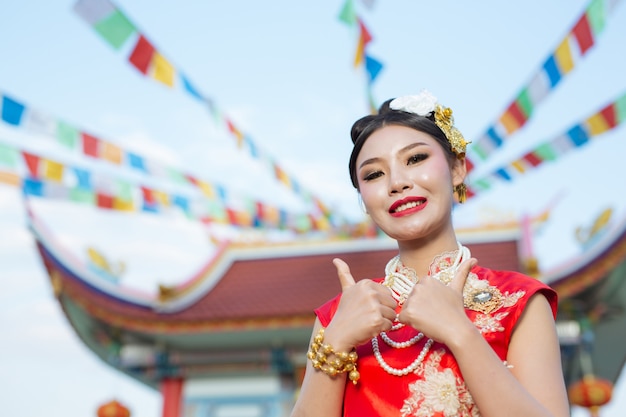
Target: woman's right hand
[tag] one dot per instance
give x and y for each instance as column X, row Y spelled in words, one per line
column 366, row 308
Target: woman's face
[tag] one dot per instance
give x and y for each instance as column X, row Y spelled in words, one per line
column 406, row 182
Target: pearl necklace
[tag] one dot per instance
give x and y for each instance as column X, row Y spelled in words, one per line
column 400, row 280
column 404, row 371
column 401, row 345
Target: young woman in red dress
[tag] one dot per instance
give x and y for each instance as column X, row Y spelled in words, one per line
column 437, row 335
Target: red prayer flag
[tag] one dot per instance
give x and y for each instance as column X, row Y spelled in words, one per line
column 32, row 163
column 193, row 180
column 469, row 164
column 148, row 196
column 583, row 35
column 104, row 201
column 532, row 159
column 232, row 216
column 517, row 113
column 142, row 55
column 364, row 39
column 365, row 34
column 610, row 115
column 90, row 145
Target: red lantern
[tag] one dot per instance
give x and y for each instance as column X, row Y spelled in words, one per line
column 113, row 409
column 590, row 392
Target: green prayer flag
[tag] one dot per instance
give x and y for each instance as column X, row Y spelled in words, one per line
column 480, row 151
column 67, row 134
column 216, row 211
column 525, row 103
column 124, row 191
column 546, row 152
column 348, row 14
column 597, row 16
column 115, row 29
column 80, row 195
column 620, row 109
column 482, row 184
column 8, row 156
column 177, row 176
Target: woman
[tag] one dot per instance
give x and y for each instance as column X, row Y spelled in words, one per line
column 438, row 335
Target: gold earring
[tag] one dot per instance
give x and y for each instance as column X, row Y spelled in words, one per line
column 461, row 192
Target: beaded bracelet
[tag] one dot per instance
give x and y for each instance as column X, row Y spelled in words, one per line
column 342, row 362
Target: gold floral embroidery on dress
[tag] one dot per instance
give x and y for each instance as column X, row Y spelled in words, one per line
column 479, row 296
column 440, row 392
column 440, row 266
column 488, row 324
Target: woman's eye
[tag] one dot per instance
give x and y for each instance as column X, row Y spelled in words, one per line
column 372, row 175
column 417, row 158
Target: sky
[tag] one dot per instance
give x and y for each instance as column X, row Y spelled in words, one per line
column 283, row 71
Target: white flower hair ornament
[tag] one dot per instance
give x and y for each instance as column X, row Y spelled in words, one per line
column 424, row 104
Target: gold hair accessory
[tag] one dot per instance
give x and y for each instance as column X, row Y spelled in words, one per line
column 424, row 104
column 321, row 354
column 461, row 192
column 445, row 121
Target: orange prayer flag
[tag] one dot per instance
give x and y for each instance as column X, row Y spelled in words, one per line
column 10, row 178
column 111, row 152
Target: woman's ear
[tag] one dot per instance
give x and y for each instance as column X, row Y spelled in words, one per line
column 459, row 171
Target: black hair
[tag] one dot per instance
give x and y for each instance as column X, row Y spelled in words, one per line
column 363, row 128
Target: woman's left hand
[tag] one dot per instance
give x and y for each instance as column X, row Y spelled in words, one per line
column 437, row 309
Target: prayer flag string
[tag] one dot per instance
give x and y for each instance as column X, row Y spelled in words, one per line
column 362, row 58
column 118, row 30
column 578, row 135
column 569, row 52
column 34, row 121
column 47, row 178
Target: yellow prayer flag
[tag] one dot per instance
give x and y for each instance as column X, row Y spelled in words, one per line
column 322, row 223
column 597, row 124
column 162, row 70
column 111, row 152
column 161, row 197
column 207, row 189
column 271, row 215
column 53, row 170
column 123, row 205
column 509, row 122
column 563, row 57
column 519, row 166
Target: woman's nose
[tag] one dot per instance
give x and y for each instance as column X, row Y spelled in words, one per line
column 398, row 184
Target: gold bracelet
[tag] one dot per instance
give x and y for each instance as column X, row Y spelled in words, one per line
column 320, row 353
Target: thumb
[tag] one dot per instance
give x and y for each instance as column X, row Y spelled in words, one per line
column 458, row 282
column 343, row 271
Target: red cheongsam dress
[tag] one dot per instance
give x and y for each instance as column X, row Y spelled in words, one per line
column 494, row 301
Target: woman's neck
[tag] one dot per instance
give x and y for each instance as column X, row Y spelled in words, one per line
column 419, row 255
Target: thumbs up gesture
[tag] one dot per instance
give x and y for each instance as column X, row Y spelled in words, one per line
column 436, row 309
column 366, row 308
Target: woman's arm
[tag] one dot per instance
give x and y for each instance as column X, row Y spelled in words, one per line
column 365, row 309
column 320, row 395
column 534, row 385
